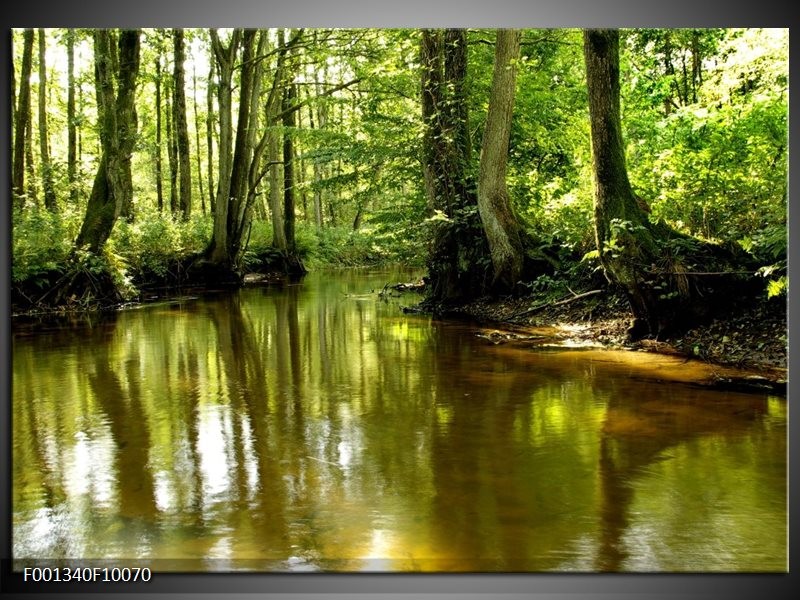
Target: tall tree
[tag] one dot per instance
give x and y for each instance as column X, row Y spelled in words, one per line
column 72, row 146
column 459, row 243
column 113, row 187
column 44, row 144
column 647, row 260
column 197, row 138
column 158, row 163
column 225, row 55
column 172, row 147
column 274, row 149
column 210, row 134
column 289, row 96
column 180, row 125
column 13, row 90
column 500, row 224
column 23, row 114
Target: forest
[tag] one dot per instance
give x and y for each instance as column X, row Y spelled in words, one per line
column 442, row 300
column 506, row 163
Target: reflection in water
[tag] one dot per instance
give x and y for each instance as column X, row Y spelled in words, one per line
column 312, row 426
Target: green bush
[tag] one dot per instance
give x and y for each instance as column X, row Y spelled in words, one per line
column 41, row 243
column 155, row 243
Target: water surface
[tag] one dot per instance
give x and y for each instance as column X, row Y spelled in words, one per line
column 314, row 426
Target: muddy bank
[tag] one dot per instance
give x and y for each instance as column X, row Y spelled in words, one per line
column 743, row 348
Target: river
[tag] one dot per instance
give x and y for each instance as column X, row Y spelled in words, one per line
column 315, row 426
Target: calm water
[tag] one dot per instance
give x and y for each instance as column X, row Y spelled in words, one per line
column 316, row 427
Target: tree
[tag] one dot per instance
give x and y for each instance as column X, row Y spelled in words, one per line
column 180, row 125
column 172, row 146
column 72, row 159
column 659, row 269
column 210, row 134
column 218, row 252
column 44, row 144
column 197, row 139
column 499, row 222
column 158, row 167
column 459, row 245
column 23, row 115
column 117, row 123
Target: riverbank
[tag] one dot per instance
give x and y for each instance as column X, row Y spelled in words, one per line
column 748, row 341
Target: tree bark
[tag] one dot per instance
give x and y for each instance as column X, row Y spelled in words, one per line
column 454, row 264
column 210, row 135
column 23, row 116
column 113, row 188
column 640, row 256
column 622, row 230
column 13, row 85
column 432, row 75
column 197, row 140
column 72, row 159
column 172, row 147
column 275, row 188
column 181, row 127
column 158, row 165
column 288, row 170
column 225, row 57
column 499, row 222
column 44, row 144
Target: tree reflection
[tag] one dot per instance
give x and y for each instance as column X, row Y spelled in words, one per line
column 637, row 435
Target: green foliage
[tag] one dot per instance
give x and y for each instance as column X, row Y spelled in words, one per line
column 154, row 244
column 42, row 242
column 714, row 164
column 707, row 148
column 777, row 287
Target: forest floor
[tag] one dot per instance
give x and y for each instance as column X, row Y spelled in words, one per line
column 751, row 337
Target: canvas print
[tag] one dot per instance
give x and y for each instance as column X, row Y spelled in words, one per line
column 399, row 300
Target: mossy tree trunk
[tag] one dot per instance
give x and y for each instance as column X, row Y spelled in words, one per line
column 181, row 126
column 225, row 56
column 44, row 143
column 22, row 119
column 664, row 273
column 499, row 222
column 210, row 135
column 158, row 163
column 72, row 138
column 455, row 264
column 113, row 188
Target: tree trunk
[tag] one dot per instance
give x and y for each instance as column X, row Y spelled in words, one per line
column 72, row 160
column 275, row 180
column 243, row 148
column 181, row 127
column 432, row 171
column 113, row 188
column 31, row 187
column 44, row 145
column 459, row 244
column 321, row 124
column 197, row 140
column 13, row 85
column 159, row 174
column 210, row 135
column 640, row 256
column 172, row 147
column 288, row 170
column 622, row 230
column 23, row 116
column 225, row 57
column 499, row 222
